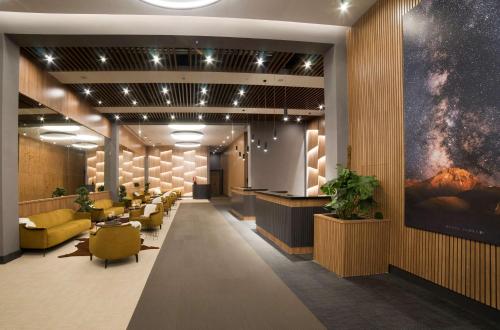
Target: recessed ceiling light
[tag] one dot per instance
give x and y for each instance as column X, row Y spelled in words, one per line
column 164, row 90
column 227, row 117
column 204, row 91
column 85, row 145
column 187, row 135
column 180, row 4
column 344, row 5
column 203, row 102
column 156, row 59
column 87, row 91
column 184, row 144
column 260, row 61
column 299, row 119
column 41, row 118
column 49, row 58
column 285, row 118
column 61, row 128
column 308, row 64
column 321, row 107
column 67, row 118
column 209, row 59
column 99, row 102
column 126, row 91
column 169, row 102
column 189, row 127
column 235, row 103
column 172, row 117
column 117, row 117
column 103, row 59
column 134, row 102
column 241, row 92
column 145, row 117
column 200, row 116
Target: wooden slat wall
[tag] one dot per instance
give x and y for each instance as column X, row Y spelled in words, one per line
column 50, row 204
column 44, row 167
column 375, row 77
column 42, row 87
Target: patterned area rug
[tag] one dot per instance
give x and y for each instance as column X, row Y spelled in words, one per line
column 82, row 248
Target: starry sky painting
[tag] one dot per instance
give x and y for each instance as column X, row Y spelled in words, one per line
column 451, row 114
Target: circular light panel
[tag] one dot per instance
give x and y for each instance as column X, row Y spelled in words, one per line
column 188, row 127
column 85, row 145
column 61, row 128
column 180, row 4
column 187, row 135
column 57, row 136
column 88, row 138
column 187, row 144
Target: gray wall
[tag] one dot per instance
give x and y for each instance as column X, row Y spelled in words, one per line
column 283, row 166
column 215, row 162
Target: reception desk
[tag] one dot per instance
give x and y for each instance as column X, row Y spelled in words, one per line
column 201, row 191
column 288, row 220
column 243, row 202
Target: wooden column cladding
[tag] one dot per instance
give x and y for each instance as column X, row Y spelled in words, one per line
column 375, row 78
column 316, row 158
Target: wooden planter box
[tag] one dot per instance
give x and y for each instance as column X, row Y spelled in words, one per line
column 351, row 247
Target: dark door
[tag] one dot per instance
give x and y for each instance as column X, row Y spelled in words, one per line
column 216, row 182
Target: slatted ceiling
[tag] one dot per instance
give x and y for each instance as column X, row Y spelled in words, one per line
column 374, row 44
column 190, row 94
column 140, row 58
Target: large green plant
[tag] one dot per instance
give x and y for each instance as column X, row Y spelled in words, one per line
column 352, row 194
column 59, row 192
column 83, row 199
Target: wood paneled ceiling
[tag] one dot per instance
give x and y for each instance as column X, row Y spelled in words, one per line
column 187, row 95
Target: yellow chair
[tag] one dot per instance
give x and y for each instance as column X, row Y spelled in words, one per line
column 115, row 242
column 52, row 228
column 104, row 207
column 148, row 218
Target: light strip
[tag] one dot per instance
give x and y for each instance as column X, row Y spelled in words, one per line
column 180, row 4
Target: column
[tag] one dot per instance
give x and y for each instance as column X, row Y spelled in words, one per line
column 112, row 162
column 9, row 99
column 336, row 112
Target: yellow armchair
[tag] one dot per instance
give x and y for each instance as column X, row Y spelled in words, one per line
column 148, row 218
column 115, row 242
column 104, row 207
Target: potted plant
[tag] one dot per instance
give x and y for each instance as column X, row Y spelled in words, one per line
column 84, row 201
column 122, row 196
column 146, row 187
column 352, row 240
column 100, row 188
column 59, row 192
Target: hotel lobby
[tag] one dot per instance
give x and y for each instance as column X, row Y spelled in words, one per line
column 230, row 164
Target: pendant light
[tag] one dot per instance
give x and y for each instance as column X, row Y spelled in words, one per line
column 285, row 109
column 258, row 144
column 275, row 133
column 265, row 146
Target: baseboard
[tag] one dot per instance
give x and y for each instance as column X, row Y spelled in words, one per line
column 9, row 257
column 454, row 297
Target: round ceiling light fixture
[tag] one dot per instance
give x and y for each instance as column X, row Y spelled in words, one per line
column 187, row 144
column 84, row 145
column 189, row 127
column 57, row 136
column 187, row 135
column 180, row 4
column 87, row 138
column 61, row 128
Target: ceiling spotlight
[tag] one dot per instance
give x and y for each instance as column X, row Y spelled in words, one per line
column 172, row 117
column 67, row 118
column 209, row 59
column 117, row 117
column 134, row 102
column 61, row 128
column 87, row 91
column 200, row 116
column 187, row 135
column 41, row 118
column 178, row 4
column 307, row 64
column 260, row 61
column 241, row 92
column 189, row 127
column 164, row 90
column 299, row 119
column 126, row 91
column 265, row 146
column 235, row 103
column 103, row 59
column 253, row 138
column 227, row 117
column 285, row 118
column 99, row 102
column 49, row 58
column 203, row 102
column 156, row 59
column 344, row 5
column 145, row 117
column 169, row 102
column 184, row 144
column 204, row 91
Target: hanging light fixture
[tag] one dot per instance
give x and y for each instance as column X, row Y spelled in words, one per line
column 265, row 146
column 253, row 138
column 258, row 144
column 275, row 133
column 285, row 109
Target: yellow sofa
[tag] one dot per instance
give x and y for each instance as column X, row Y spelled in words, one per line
column 116, row 242
column 53, row 228
column 104, row 207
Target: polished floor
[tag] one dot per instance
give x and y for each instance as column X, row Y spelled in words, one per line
column 208, row 277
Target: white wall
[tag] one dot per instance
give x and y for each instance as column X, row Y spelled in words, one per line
column 283, row 166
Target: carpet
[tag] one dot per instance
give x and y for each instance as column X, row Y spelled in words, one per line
column 82, row 248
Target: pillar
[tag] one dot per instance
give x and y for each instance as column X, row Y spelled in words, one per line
column 112, row 162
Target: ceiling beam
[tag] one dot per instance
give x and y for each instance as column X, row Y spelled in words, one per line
column 187, row 77
column 267, row 111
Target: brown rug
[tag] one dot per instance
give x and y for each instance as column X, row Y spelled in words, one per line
column 82, row 248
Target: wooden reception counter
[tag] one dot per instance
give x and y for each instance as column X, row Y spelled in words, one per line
column 288, row 220
column 243, row 202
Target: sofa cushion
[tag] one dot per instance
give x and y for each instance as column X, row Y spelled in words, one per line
column 60, row 233
column 52, row 218
column 103, row 204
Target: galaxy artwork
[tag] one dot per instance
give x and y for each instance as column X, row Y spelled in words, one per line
column 451, row 117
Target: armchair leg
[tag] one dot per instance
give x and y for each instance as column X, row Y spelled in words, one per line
column 137, row 258
column 105, row 263
column 44, row 253
column 90, row 257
